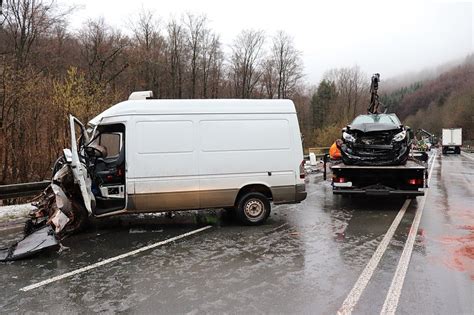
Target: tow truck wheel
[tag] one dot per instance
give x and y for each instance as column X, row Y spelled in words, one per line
column 253, row 208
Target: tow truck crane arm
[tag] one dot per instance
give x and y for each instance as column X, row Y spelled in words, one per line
column 425, row 132
column 374, row 97
column 430, row 135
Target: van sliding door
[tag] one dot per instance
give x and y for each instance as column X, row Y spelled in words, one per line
column 164, row 166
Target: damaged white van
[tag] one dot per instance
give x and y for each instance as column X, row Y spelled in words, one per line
column 147, row 155
column 162, row 155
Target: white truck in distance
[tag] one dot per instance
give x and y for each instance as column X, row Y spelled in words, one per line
column 452, row 140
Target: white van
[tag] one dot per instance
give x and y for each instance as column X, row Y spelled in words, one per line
column 164, row 155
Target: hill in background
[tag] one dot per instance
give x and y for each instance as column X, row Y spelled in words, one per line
column 444, row 101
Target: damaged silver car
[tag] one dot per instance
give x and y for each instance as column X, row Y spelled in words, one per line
column 376, row 139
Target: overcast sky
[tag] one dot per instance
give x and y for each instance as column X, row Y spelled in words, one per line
column 390, row 37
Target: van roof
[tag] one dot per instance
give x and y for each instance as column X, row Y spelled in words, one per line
column 197, row 106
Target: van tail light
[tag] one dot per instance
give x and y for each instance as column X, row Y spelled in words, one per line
column 415, row 181
column 337, row 179
column 302, row 174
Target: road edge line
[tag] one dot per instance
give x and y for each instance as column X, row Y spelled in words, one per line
column 467, row 156
column 364, row 278
column 391, row 301
column 112, row 259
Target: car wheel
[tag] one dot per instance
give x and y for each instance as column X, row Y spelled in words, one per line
column 253, row 208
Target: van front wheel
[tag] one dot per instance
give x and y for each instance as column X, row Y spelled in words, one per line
column 253, row 208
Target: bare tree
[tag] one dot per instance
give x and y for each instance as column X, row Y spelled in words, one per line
column 270, row 78
column 25, row 21
column 288, row 65
column 102, row 49
column 145, row 30
column 147, row 54
column 196, row 29
column 352, row 90
column 211, row 60
column 175, row 57
column 245, row 62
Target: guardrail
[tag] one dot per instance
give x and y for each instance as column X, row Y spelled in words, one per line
column 22, row 190
column 319, row 150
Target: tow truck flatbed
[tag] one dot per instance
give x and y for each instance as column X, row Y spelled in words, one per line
column 401, row 180
column 410, row 164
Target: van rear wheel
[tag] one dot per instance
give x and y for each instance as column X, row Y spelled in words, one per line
column 253, row 208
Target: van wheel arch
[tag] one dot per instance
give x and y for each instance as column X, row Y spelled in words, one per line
column 260, row 188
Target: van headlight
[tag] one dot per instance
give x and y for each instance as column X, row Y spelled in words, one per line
column 348, row 137
column 400, row 136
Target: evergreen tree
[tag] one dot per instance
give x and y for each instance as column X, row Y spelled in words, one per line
column 321, row 102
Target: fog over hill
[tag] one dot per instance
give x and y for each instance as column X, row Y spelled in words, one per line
column 437, row 98
column 419, row 75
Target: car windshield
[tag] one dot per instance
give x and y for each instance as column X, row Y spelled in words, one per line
column 376, row 119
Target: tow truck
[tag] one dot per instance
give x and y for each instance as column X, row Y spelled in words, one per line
column 402, row 180
column 378, row 169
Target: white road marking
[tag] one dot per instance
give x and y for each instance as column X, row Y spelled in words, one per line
column 391, row 301
column 109, row 260
column 467, row 155
column 353, row 297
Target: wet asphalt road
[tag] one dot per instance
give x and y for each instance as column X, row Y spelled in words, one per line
column 305, row 259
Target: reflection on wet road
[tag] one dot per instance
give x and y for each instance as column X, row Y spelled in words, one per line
column 305, row 259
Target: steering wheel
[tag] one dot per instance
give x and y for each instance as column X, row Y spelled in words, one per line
column 94, row 152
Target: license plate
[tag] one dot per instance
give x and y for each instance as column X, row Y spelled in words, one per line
column 348, row 184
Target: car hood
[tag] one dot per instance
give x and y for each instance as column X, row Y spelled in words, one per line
column 368, row 127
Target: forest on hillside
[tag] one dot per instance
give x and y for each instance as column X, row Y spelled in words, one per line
column 48, row 71
column 446, row 101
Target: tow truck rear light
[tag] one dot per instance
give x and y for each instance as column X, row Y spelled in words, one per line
column 302, row 175
column 336, row 179
column 415, row 181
